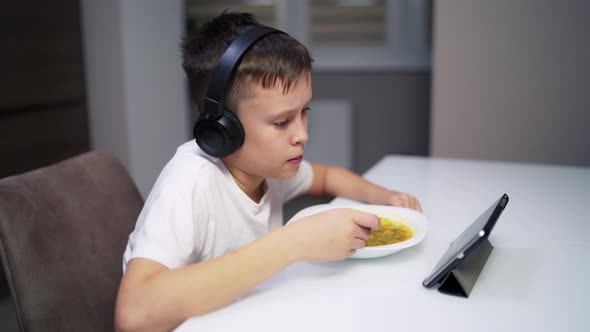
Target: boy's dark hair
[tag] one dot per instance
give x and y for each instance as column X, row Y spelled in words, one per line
column 275, row 59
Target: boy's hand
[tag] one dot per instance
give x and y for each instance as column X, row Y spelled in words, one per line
column 396, row 198
column 331, row 235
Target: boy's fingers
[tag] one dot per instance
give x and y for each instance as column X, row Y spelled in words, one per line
column 363, row 233
column 416, row 204
column 407, row 201
column 367, row 220
column 358, row 244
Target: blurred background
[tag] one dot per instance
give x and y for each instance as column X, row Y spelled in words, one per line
column 496, row 80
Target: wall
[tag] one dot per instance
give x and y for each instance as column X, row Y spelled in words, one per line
column 137, row 95
column 43, row 117
column 390, row 111
column 510, row 81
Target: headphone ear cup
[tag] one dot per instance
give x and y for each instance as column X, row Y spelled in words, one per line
column 219, row 137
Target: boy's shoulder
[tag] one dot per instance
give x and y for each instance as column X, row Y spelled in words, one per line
column 188, row 167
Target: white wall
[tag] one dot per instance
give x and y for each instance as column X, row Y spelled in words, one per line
column 511, row 80
column 103, row 62
column 137, row 95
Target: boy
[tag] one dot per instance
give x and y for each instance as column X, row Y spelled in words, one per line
column 209, row 219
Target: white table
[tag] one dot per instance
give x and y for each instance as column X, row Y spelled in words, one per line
column 537, row 278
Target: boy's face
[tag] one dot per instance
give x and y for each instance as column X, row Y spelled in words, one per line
column 275, row 126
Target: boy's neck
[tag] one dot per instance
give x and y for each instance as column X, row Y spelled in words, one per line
column 253, row 186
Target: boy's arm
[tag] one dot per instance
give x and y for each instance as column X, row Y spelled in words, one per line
column 152, row 297
column 337, row 181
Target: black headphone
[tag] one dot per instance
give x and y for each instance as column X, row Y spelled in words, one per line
column 218, row 131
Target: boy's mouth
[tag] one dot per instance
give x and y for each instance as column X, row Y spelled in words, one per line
column 295, row 160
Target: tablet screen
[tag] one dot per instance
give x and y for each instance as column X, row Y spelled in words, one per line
column 479, row 229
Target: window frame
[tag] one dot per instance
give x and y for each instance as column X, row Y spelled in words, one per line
column 406, row 45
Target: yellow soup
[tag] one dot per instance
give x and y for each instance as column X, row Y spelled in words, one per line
column 390, row 232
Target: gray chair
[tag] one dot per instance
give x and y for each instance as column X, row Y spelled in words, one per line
column 63, row 230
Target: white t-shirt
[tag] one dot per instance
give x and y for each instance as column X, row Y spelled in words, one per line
column 196, row 211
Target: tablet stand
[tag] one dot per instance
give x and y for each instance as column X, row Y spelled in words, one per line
column 460, row 281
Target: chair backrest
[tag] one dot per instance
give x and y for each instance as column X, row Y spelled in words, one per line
column 63, row 230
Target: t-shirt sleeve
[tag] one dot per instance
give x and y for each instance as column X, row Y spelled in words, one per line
column 165, row 230
column 299, row 183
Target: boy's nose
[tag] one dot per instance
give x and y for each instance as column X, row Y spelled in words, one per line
column 300, row 135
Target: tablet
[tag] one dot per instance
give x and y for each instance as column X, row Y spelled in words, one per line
column 465, row 243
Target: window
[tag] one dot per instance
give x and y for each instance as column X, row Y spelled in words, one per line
column 342, row 34
column 200, row 11
column 347, row 23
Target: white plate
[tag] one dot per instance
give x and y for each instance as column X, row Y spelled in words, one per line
column 411, row 218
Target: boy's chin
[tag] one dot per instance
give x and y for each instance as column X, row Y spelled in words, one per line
column 284, row 175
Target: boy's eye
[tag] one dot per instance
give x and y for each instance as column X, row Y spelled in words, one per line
column 282, row 123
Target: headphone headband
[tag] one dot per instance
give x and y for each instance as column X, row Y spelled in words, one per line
column 227, row 65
